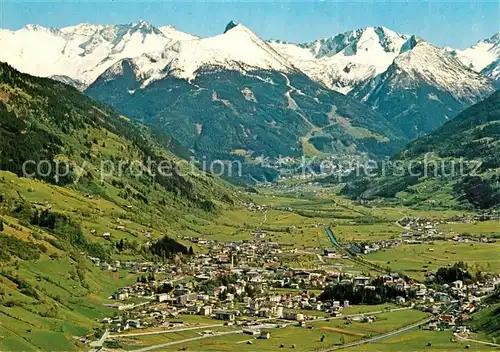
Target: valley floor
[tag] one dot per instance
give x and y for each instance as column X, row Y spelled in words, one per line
column 68, row 308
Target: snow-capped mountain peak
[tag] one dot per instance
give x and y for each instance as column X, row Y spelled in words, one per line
column 86, row 29
column 423, row 87
column 39, row 28
column 84, row 51
column 343, row 60
column 481, row 54
column 494, row 39
column 238, row 48
column 144, row 28
column 358, row 41
column 377, row 39
column 174, row 34
column 425, row 62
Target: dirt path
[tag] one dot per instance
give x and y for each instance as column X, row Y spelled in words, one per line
column 342, row 331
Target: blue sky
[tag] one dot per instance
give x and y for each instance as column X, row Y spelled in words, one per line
column 445, row 23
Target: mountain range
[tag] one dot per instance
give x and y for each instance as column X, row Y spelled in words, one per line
column 423, row 88
column 234, row 97
column 83, row 52
column 237, row 96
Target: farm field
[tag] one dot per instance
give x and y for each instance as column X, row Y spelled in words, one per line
column 284, row 227
column 417, row 340
column 372, row 232
column 481, row 228
column 298, row 221
column 366, row 309
column 130, row 343
column 417, row 259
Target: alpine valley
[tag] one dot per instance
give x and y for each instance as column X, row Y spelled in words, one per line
column 364, row 93
column 115, row 236
column 455, row 165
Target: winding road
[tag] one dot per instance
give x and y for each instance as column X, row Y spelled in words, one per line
column 476, row 341
column 167, row 331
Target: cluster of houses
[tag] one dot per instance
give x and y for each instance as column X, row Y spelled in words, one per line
column 465, row 299
column 254, row 268
column 259, row 251
column 255, row 207
column 165, row 308
column 374, row 246
column 142, row 267
column 424, row 228
column 422, row 225
column 228, row 261
column 234, row 301
column 231, row 303
column 454, row 319
column 418, row 231
column 105, row 266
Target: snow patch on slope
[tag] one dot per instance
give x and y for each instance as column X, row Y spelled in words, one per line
column 175, row 35
column 492, row 70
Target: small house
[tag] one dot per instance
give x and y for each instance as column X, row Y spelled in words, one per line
column 265, row 335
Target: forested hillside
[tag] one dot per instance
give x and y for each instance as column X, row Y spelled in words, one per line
column 224, row 114
column 474, row 134
column 76, row 180
column 457, row 165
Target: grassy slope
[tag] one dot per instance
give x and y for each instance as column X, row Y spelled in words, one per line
column 65, row 304
column 45, row 120
column 470, row 139
column 65, row 125
column 487, row 321
column 306, row 339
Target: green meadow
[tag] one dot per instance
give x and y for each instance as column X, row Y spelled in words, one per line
column 478, row 229
column 416, row 259
column 69, row 305
column 422, row 340
column 334, row 332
